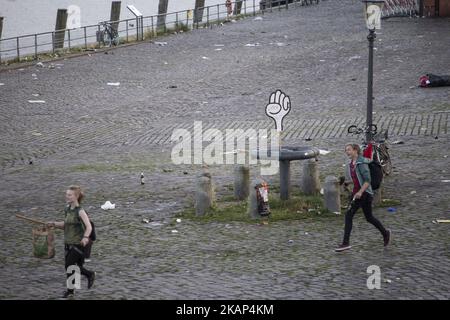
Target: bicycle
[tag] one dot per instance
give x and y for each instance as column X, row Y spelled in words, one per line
column 377, row 148
column 109, row 35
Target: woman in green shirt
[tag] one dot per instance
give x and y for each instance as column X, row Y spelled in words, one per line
column 77, row 229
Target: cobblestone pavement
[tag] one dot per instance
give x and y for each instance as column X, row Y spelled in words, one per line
column 102, row 137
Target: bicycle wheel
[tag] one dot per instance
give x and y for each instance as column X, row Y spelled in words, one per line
column 385, row 160
column 352, row 129
column 115, row 39
column 108, row 39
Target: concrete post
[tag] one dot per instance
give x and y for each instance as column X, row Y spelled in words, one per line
column 310, row 179
column 1, row 26
column 285, row 179
column 162, row 11
column 61, row 20
column 420, row 8
column 205, row 196
column 237, row 7
column 115, row 14
column 332, row 194
column 241, row 182
column 1, row 29
column 198, row 13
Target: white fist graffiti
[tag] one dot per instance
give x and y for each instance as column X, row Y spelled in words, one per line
column 73, row 17
column 278, row 107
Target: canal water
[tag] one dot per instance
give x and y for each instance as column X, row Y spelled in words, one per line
column 29, row 17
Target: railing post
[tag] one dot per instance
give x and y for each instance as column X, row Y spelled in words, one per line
column 137, row 29
column 245, row 7
column 126, row 28
column 85, row 38
column 68, row 37
column 98, row 26
column 18, row 50
column 142, row 28
column 207, row 16
column 254, row 8
column 35, row 47
column 53, row 42
column 153, row 27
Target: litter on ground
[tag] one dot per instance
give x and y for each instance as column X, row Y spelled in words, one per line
column 108, row 205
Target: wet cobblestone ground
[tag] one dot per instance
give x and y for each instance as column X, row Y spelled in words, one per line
column 102, row 137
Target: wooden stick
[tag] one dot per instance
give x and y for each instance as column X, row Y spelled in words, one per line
column 30, row 219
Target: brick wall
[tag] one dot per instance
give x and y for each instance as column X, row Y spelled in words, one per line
column 430, row 6
column 444, row 8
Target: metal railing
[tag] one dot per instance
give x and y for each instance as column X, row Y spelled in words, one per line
column 400, row 8
column 54, row 43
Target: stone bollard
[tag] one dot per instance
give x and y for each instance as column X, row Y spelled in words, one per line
column 198, row 13
column 115, row 14
column 237, row 7
column 162, row 14
column 332, row 194
column 310, row 179
column 241, row 182
column 61, row 21
column 253, row 211
column 204, row 196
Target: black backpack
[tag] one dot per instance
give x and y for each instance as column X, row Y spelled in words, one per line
column 93, row 235
column 376, row 175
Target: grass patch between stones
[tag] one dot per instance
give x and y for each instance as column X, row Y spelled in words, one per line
column 389, row 203
column 298, row 207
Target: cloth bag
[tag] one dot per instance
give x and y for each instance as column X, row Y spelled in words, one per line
column 43, row 242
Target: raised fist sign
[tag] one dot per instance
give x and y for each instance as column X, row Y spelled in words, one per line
column 278, row 107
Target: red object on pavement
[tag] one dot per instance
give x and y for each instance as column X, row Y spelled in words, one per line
column 424, row 81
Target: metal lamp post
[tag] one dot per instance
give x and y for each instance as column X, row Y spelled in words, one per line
column 372, row 14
